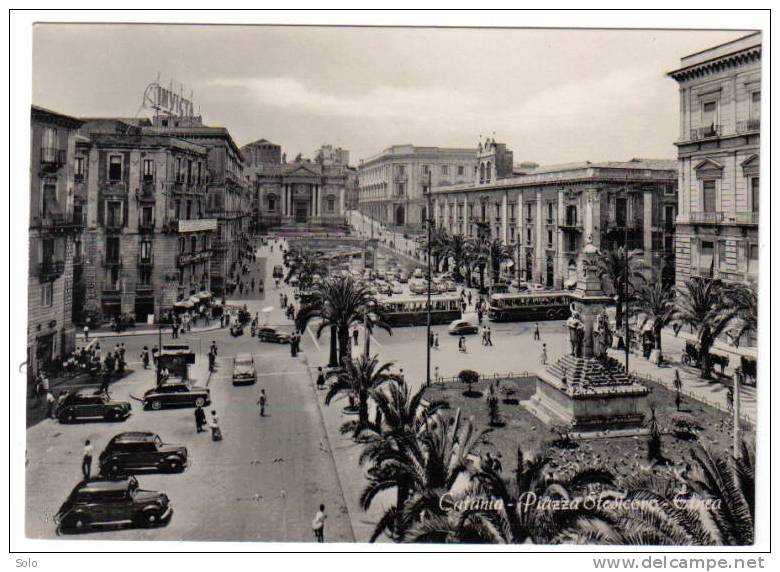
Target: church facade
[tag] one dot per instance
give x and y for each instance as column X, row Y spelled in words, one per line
column 301, row 192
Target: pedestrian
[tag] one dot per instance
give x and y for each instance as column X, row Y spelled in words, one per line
column 469, row 298
column 318, row 524
column 86, row 333
column 261, row 402
column 730, row 399
column 401, row 375
column 479, row 316
column 320, row 378
column 214, row 348
column 200, row 419
column 436, row 341
column 86, row 460
column 483, row 333
column 436, row 373
column 462, row 344
column 536, row 332
column 50, row 401
column 105, row 381
column 355, row 337
column 488, row 336
column 216, row 432
column 212, row 362
column 677, row 380
column 155, row 351
column 544, row 354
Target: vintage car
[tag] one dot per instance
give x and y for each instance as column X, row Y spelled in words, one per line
column 244, row 372
column 462, row 327
column 140, row 450
column 176, row 393
column 278, row 271
column 90, row 404
column 111, row 503
column 271, row 334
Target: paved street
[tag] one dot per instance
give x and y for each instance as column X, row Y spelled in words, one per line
column 264, row 481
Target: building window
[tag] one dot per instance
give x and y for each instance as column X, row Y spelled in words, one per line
column 182, row 245
column 148, row 174
column 331, row 204
column 549, row 238
column 146, row 250
column 49, row 139
column 49, row 205
column 755, row 105
column 706, row 258
column 81, row 165
column 754, row 194
column 115, row 168
column 528, row 235
column 529, row 211
column 401, row 189
column 723, row 261
column 193, row 244
column 709, row 196
column 426, row 169
column 461, row 170
column 47, row 296
column 488, row 172
column 272, row 203
column 189, row 172
column 550, row 213
column 147, row 216
column 444, row 169
column 145, row 276
column 753, row 259
column 113, row 214
column 709, row 113
column 401, row 169
column 189, row 210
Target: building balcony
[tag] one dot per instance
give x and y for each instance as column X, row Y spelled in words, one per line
column 748, row 126
column 401, row 177
column 144, row 288
column 58, row 222
column 109, row 186
column 708, row 132
column 49, row 270
column 193, row 257
column 53, row 158
column 114, row 261
column 749, row 219
column 701, row 217
column 113, row 225
column 146, row 226
column 570, row 224
column 147, row 260
column 622, row 223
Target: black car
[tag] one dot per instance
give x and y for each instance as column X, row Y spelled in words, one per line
column 140, row 450
column 110, row 503
column 176, row 393
column 278, row 271
column 269, row 334
column 88, row 404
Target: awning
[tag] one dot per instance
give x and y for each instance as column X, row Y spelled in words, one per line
column 183, row 304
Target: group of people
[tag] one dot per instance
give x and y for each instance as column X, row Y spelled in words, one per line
column 201, row 422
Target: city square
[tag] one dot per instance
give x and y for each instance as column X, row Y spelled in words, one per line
column 426, row 345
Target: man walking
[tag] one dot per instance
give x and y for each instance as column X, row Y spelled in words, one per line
column 200, row 419
column 536, row 332
column 488, row 338
column 261, row 402
column 544, row 354
column 86, row 461
column 318, row 524
column 320, row 378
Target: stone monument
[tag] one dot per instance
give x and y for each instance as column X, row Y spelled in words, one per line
column 586, row 389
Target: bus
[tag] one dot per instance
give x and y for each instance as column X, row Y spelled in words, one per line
column 529, row 306
column 410, row 310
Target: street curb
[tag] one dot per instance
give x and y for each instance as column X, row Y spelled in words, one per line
column 99, row 335
column 330, row 446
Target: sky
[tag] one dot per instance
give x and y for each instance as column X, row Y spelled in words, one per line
column 552, row 96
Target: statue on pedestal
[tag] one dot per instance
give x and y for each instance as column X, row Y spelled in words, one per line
column 602, row 337
column 576, row 332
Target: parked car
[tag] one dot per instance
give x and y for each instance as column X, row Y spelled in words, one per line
column 403, row 277
column 141, row 450
column 244, row 372
column 107, row 503
column 278, row 271
column 451, row 286
column 418, row 273
column 519, row 284
column 271, row 334
column 397, row 288
column 90, row 404
column 536, row 287
column 176, row 393
column 462, row 327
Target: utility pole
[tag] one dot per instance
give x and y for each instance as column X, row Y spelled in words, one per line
column 428, row 304
column 366, row 335
column 625, row 274
column 737, row 379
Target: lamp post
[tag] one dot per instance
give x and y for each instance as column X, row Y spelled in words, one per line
column 625, row 273
column 428, row 303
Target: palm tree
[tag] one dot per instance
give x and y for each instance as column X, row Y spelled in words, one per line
column 656, row 304
column 519, row 515
column 743, row 300
column 340, row 301
column 457, row 250
column 497, row 252
column 358, row 378
column 479, row 256
column 404, row 417
column 699, row 304
column 612, row 269
column 439, row 240
column 426, row 467
column 305, row 265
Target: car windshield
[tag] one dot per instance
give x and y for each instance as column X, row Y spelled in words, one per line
column 243, row 363
column 157, row 440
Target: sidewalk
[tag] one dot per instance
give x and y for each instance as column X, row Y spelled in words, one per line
column 143, row 330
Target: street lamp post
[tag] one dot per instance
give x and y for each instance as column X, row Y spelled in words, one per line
column 625, row 274
column 428, row 303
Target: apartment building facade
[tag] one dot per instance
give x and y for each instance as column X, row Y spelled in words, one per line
column 147, row 247
column 55, row 228
column 391, row 183
column 719, row 160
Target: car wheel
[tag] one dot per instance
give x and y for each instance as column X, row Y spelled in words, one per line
column 112, row 415
column 70, row 417
column 200, row 402
column 174, row 466
column 79, row 523
column 156, row 405
column 150, row 517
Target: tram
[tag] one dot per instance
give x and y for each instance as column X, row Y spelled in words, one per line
column 410, row 310
column 530, row 306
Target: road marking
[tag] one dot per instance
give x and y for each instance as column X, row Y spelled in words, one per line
column 314, row 339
